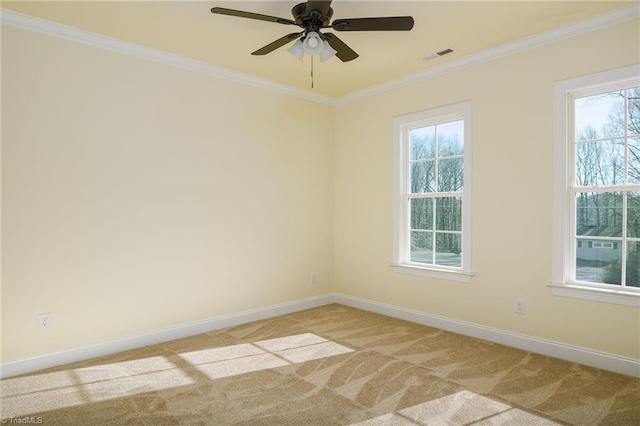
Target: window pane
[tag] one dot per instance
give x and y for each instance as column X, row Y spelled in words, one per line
column 448, row 247
column 421, row 247
column 450, row 175
column 633, row 215
column 423, row 176
column 599, row 262
column 633, row 264
column 450, row 138
column 449, row 214
column 599, row 214
column 600, row 163
column 599, row 116
column 633, row 95
column 634, row 160
column 422, row 213
column 422, row 142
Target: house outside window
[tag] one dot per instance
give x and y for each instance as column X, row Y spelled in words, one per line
column 432, row 221
column 596, row 252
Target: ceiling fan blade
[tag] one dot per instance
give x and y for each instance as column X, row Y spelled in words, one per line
column 320, row 5
column 250, row 15
column 278, row 43
column 396, row 23
column 343, row 52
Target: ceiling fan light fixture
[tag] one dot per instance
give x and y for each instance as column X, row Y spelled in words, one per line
column 313, row 44
column 327, row 53
column 312, row 16
column 297, row 50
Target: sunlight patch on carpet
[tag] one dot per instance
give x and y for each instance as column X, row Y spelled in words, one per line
column 233, row 360
column 39, row 393
column 462, row 407
column 51, row 391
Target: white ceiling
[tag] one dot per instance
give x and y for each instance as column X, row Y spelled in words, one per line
column 189, row 29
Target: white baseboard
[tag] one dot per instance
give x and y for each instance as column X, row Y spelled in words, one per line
column 603, row 360
column 31, row 364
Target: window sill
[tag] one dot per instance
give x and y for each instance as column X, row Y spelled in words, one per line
column 441, row 274
column 594, row 294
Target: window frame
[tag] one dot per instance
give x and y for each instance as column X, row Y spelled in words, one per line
column 564, row 189
column 402, row 196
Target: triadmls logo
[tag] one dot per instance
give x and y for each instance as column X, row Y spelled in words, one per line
column 22, row 421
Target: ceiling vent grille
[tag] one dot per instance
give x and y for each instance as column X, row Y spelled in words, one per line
column 437, row 54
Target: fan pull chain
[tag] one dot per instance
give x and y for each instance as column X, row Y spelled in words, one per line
column 312, row 71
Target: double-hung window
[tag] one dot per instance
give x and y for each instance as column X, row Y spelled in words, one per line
column 597, row 187
column 432, row 225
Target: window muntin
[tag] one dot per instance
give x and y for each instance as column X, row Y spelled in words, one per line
column 432, row 223
column 604, row 192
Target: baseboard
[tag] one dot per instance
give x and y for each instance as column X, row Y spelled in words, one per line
column 603, row 360
column 31, row 364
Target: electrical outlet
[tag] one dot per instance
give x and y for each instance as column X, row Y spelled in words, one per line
column 44, row 320
column 314, row 278
column 519, row 307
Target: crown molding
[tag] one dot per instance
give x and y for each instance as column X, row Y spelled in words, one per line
column 54, row 29
column 613, row 17
column 617, row 16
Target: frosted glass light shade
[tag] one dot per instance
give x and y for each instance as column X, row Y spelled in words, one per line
column 297, row 50
column 327, row 52
column 313, row 44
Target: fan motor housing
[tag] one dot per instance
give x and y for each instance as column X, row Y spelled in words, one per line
column 310, row 20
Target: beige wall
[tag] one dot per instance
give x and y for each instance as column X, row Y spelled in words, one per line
column 512, row 200
column 138, row 196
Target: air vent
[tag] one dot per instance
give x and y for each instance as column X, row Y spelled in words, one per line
column 437, row 54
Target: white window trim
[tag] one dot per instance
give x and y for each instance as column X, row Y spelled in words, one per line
column 561, row 284
column 399, row 263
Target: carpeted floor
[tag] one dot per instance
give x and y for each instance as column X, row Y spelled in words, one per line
column 332, row 365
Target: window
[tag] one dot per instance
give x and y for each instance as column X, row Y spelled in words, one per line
column 598, row 245
column 597, row 187
column 432, row 222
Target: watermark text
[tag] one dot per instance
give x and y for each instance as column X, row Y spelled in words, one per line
column 27, row 420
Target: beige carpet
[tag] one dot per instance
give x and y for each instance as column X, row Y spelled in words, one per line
column 332, row 365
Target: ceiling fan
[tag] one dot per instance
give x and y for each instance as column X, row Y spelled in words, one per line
column 314, row 16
